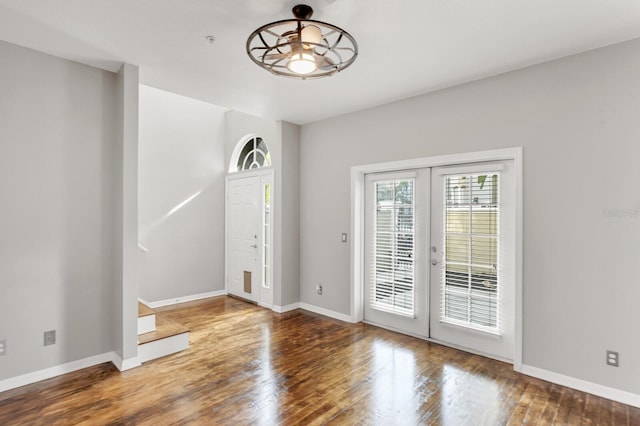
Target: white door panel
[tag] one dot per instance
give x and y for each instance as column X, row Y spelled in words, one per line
column 396, row 217
column 243, row 221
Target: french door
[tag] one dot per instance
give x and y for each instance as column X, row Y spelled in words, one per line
column 439, row 254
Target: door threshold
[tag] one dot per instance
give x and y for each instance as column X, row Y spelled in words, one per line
column 242, row 299
column 395, row 330
column 440, row 342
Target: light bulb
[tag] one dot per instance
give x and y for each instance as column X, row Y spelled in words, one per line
column 301, row 63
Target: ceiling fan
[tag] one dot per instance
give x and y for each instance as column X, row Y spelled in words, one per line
column 302, row 48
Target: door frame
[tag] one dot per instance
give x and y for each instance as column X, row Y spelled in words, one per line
column 358, row 273
column 265, row 297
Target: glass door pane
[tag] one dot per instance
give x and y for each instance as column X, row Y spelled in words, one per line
column 470, row 282
column 393, row 251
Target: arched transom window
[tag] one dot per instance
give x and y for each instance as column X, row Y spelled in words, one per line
column 253, row 155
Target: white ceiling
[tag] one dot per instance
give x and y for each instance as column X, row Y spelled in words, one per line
column 407, row 47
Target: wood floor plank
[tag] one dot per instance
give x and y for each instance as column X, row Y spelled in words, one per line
column 249, row 366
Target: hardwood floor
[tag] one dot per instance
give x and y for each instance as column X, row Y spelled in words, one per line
column 248, row 365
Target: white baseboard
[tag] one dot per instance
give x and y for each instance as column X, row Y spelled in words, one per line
column 127, row 364
column 184, row 299
column 286, row 308
column 325, row 312
column 584, row 386
column 48, row 373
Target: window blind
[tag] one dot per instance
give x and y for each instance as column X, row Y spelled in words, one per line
column 392, row 264
column 470, row 275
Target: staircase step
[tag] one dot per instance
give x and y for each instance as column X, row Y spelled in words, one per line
column 146, row 319
column 144, row 310
column 168, row 338
column 164, row 328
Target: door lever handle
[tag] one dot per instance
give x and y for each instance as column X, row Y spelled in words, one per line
column 254, row 245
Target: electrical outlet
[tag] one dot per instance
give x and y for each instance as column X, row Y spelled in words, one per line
column 3, row 347
column 50, row 337
column 613, row 358
column 319, row 289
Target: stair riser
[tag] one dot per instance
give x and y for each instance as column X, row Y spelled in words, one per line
column 163, row 347
column 146, row 324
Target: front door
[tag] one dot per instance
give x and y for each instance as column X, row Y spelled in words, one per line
column 243, row 237
column 396, row 236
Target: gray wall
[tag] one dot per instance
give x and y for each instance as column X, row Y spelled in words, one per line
column 578, row 121
column 57, row 137
column 289, row 191
column 181, row 154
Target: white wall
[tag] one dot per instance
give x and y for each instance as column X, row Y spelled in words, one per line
column 181, row 153
column 578, row 121
column 125, row 213
column 57, row 137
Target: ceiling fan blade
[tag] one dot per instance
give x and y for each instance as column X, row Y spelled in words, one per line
column 324, row 63
column 275, row 56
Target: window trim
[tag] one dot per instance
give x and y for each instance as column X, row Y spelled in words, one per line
column 237, row 151
column 393, row 309
column 476, row 169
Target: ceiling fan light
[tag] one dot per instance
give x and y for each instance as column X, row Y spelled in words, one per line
column 302, row 63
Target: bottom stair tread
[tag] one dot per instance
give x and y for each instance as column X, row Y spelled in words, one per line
column 144, row 310
column 164, row 328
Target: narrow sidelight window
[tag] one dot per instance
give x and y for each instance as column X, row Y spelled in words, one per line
column 266, row 236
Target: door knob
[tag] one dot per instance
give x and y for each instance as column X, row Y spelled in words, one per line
column 434, row 262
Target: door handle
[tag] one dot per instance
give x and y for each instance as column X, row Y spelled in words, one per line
column 254, row 245
column 434, row 262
